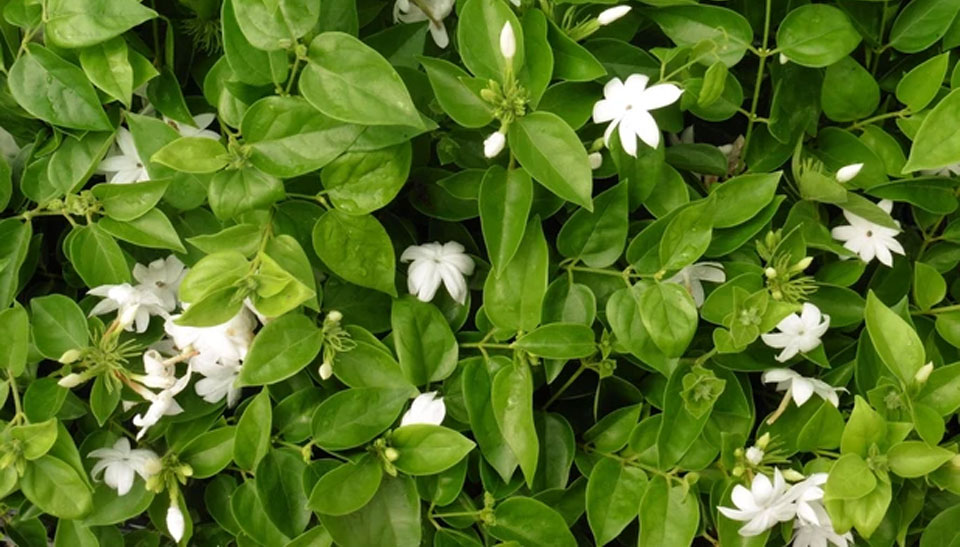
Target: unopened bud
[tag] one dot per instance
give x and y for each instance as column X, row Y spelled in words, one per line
column 71, row 380
column 770, row 272
column 610, row 15
column 784, row 59
column 763, row 441
column 923, row 374
column 391, row 454
column 334, row 316
column 494, row 144
column 848, row 172
column 803, row 264
column 793, row 475
column 70, row 356
column 326, row 371
column 596, row 160
column 955, row 461
column 508, row 42
column 754, row 455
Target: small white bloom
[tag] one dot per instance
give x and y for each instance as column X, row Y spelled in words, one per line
column 228, row 341
column 493, row 145
column 218, row 380
column 119, row 464
column 198, row 129
column 71, row 380
column 806, row 494
column 437, row 10
column 754, row 455
column 433, row 264
column 628, row 105
column 162, row 277
column 924, row 373
column 175, row 524
column 134, row 305
column 867, row 239
column 691, row 276
column 762, row 506
column 596, row 160
column 784, row 59
column 610, row 15
column 326, row 371
column 427, row 408
column 124, row 165
column 798, row 333
column 508, row 41
column 848, row 172
column 159, row 373
column 819, row 535
column 801, row 388
column 161, row 404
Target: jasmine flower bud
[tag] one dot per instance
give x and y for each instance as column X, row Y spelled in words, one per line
column 508, row 42
column 923, row 374
column 493, row 145
column 848, row 172
column 596, row 160
column 610, row 15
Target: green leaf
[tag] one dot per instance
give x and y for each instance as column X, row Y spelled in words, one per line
column 850, row 478
column 530, row 522
column 921, row 85
column 929, row 286
column 817, row 35
column 897, row 344
column 669, row 315
column 58, row 325
column 551, row 152
column 912, row 459
column 424, row 342
column 349, row 81
column 275, row 24
column 35, row 439
column 81, row 23
column 348, row 487
column 458, row 99
column 514, row 299
column 425, row 449
column 249, row 64
column 849, row 91
column 614, row 492
column 669, row 515
column 15, row 325
column 942, row 529
column 281, row 349
column 253, row 432
column 559, row 341
column 612, row 432
column 597, row 237
column 96, row 256
column 233, row 192
column 67, row 100
column 742, row 197
column 104, row 398
column 865, row 428
column 248, row 510
column 512, row 400
column 356, row 248
column 688, row 234
column 288, row 137
column 210, row 453
column 937, row 143
column 476, row 385
column 129, row 201
column 192, row 155
column 921, row 23
column 368, row 365
column 280, row 486
column 358, row 183
column 72, row 165
column 726, row 32
column 480, row 41
column 56, row 488
column 504, row 202
column 392, row 518
column 14, row 244
column 355, row 416
column 152, row 229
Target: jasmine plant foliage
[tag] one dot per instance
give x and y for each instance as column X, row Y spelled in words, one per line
column 479, row 272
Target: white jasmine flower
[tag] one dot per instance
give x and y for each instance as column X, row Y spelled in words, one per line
column 427, row 408
column 226, row 342
column 175, row 523
column 162, row 277
column 596, row 160
column 161, row 404
column 691, row 276
column 798, row 333
column 762, row 506
column 218, row 380
column 160, row 374
column 806, row 495
column 924, row 373
column 628, row 105
column 801, row 388
column 405, row 11
column 326, row 371
column 819, row 535
column 134, row 305
column 493, row 145
column 198, row 129
column 784, row 59
column 119, row 464
column 72, row 380
column 433, row 264
column 848, row 172
column 867, row 239
column 610, row 15
column 248, row 303
column 124, row 165
column 754, row 455
column 508, row 41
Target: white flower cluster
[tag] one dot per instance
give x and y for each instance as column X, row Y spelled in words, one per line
column 766, row 503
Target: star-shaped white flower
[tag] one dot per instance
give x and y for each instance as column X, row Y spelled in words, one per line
column 867, row 239
column 691, row 276
column 226, row 342
column 161, row 404
column 762, row 506
column 433, row 264
column 199, row 128
column 218, row 380
column 628, row 105
column 405, row 11
column 124, row 165
column 801, row 388
column 119, row 464
column 798, row 333
column 160, row 373
column 162, row 277
column 821, row 534
column 427, row 408
column 134, row 305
